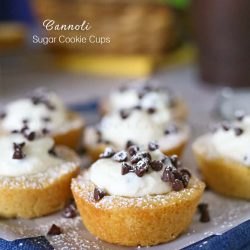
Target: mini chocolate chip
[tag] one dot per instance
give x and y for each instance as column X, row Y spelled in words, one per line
column 108, row 152
column 30, row 136
column 203, row 209
column 25, row 121
column 142, row 164
column 15, row 131
column 167, row 176
column 140, row 171
column 129, row 143
column 175, row 161
column 151, row 110
column 18, row 151
column 135, row 158
column 184, row 171
column 120, row 156
column 238, row 131
column 146, row 155
column 45, row 131
column 124, row 113
column 98, row 194
column 156, row 165
column 185, row 180
column 52, row 151
column 177, row 185
column 46, row 119
column 54, row 230
column 2, row 115
column 152, row 146
column 239, row 115
column 69, row 211
column 125, row 168
column 132, row 150
column 171, row 129
column 50, row 106
column 24, row 128
column 177, row 174
column 139, row 156
column 138, row 107
column 226, row 125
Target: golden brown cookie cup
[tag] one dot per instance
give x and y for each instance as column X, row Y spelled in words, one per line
column 38, row 194
column 144, row 221
column 224, row 176
column 179, row 110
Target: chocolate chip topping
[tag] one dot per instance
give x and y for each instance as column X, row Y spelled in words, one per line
column 52, row 151
column 175, row 161
column 2, row 115
column 177, row 185
column 204, row 213
column 70, row 211
column 46, row 119
column 167, row 176
column 226, row 125
column 30, row 136
column 120, row 156
column 98, row 194
column 140, row 162
column 156, row 165
column 25, row 121
column 45, row 131
column 132, row 150
column 124, row 113
column 54, row 230
column 238, row 131
column 108, row 153
column 126, row 168
column 24, row 129
column 138, row 107
column 15, row 131
column 18, row 151
column 171, row 129
column 151, row 110
column 129, row 143
column 41, row 98
column 239, row 115
column 152, row 146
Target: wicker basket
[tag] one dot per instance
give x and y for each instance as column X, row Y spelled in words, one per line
column 134, row 27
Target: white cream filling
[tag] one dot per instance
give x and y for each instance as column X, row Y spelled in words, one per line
column 227, row 144
column 137, row 127
column 106, row 174
column 154, row 99
column 24, row 109
column 36, row 160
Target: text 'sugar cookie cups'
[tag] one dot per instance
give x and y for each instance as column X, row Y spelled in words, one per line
column 44, row 113
column 35, row 176
column 148, row 97
column 224, row 157
column 136, row 197
column 121, row 129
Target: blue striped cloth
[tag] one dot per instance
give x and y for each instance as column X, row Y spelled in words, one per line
column 237, row 238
